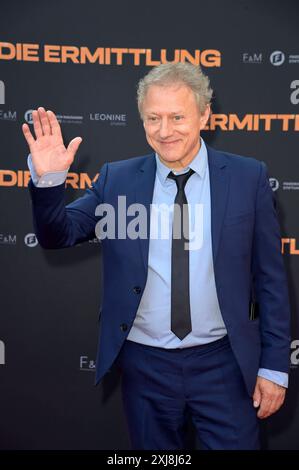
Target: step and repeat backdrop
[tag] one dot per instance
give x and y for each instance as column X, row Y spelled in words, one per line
column 83, row 60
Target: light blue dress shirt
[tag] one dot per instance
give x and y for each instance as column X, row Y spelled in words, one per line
column 152, row 322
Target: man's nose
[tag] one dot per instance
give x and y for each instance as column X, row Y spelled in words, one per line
column 165, row 129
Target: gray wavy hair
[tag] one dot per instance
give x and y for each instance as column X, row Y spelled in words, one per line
column 172, row 73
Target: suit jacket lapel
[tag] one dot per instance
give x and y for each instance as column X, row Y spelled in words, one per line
column 219, row 189
column 145, row 180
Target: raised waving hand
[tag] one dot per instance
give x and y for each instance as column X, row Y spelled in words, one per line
column 47, row 149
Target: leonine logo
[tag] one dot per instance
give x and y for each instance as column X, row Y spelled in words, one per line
column 111, row 119
column 107, row 55
column 2, row 92
column 2, row 353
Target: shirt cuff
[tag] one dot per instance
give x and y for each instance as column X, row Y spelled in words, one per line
column 280, row 378
column 47, row 180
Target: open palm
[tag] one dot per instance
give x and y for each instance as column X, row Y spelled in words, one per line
column 47, row 149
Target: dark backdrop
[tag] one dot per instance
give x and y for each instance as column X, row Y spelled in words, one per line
column 49, row 300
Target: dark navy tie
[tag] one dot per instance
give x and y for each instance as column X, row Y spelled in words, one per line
column 180, row 295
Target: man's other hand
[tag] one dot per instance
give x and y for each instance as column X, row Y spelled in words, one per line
column 268, row 397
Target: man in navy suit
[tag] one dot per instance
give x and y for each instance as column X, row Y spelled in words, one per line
column 197, row 320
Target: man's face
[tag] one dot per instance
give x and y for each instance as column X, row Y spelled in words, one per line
column 172, row 123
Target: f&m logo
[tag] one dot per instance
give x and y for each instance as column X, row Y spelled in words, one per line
column 2, row 92
column 2, row 353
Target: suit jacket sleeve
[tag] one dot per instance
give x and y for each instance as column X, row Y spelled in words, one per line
column 269, row 279
column 59, row 226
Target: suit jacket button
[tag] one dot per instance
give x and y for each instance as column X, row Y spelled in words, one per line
column 137, row 290
column 123, row 327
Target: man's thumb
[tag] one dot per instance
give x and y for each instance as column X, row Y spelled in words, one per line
column 74, row 145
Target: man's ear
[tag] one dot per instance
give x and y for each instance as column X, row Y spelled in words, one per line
column 205, row 117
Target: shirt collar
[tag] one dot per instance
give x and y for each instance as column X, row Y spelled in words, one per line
column 198, row 164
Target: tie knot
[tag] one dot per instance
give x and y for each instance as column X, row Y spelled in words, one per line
column 182, row 179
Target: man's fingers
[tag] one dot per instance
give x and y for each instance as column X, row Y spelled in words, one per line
column 276, row 403
column 27, row 134
column 280, row 402
column 264, row 409
column 37, row 124
column 44, row 121
column 269, row 409
column 73, row 146
column 270, row 405
column 55, row 126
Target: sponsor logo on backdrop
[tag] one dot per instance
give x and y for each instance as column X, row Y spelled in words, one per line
column 108, row 118
column 289, row 246
column 286, row 185
column 87, row 364
column 8, row 115
column 252, row 58
column 274, row 183
column 2, row 353
column 294, row 59
column 294, row 97
column 62, row 118
column 290, row 185
column 277, row 58
column 254, row 122
column 295, row 353
column 106, row 55
column 28, row 116
column 2, row 92
column 8, row 239
column 21, row 178
column 30, row 240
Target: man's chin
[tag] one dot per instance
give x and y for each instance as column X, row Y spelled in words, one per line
column 169, row 158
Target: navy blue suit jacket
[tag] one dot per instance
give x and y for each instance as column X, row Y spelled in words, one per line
column 246, row 254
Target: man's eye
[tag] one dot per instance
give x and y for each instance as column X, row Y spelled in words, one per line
column 152, row 119
column 178, row 118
